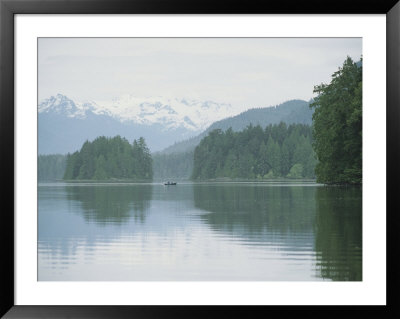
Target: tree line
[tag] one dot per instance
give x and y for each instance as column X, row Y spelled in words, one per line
column 276, row 151
column 172, row 166
column 110, row 158
column 337, row 126
column 330, row 149
column 51, row 167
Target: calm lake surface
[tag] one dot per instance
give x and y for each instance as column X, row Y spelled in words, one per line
column 207, row 231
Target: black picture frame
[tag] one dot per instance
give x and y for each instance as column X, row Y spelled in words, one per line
column 8, row 8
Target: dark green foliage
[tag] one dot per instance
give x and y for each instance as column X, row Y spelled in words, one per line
column 172, row 166
column 337, row 126
column 110, row 158
column 290, row 112
column 51, row 167
column 255, row 153
column 338, row 232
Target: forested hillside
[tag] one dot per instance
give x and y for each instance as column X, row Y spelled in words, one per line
column 110, row 158
column 276, row 151
column 174, row 162
column 290, row 112
column 337, row 126
column 172, row 166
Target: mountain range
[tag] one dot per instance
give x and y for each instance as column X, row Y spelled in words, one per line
column 64, row 124
column 175, row 113
column 168, row 125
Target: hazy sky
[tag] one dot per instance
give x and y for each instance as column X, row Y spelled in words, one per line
column 246, row 72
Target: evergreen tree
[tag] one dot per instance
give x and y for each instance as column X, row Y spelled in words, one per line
column 337, row 126
column 51, row 167
column 296, row 171
column 100, row 172
column 263, row 165
column 285, row 158
column 110, row 158
column 274, row 156
column 255, row 153
column 172, row 166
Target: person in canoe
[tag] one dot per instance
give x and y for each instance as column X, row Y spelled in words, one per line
column 170, row 183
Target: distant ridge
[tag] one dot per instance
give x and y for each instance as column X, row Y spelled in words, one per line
column 65, row 124
column 290, row 112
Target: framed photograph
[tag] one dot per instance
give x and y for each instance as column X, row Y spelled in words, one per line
column 178, row 154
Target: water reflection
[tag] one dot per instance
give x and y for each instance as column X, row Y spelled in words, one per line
column 338, row 233
column 74, row 219
column 238, row 231
column 105, row 204
column 252, row 209
column 323, row 222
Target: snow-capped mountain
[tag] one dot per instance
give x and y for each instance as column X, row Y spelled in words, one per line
column 65, row 124
column 62, row 105
column 175, row 113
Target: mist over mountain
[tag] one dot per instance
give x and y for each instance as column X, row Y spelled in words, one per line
column 290, row 112
column 168, row 125
column 65, row 124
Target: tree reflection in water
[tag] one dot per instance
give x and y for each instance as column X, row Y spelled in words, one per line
column 257, row 210
column 338, row 233
column 329, row 219
column 107, row 204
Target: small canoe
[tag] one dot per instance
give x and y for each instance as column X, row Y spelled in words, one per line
column 169, row 183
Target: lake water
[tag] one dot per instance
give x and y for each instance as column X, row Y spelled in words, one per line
column 205, row 231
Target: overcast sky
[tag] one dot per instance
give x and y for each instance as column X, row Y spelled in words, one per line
column 246, row 72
